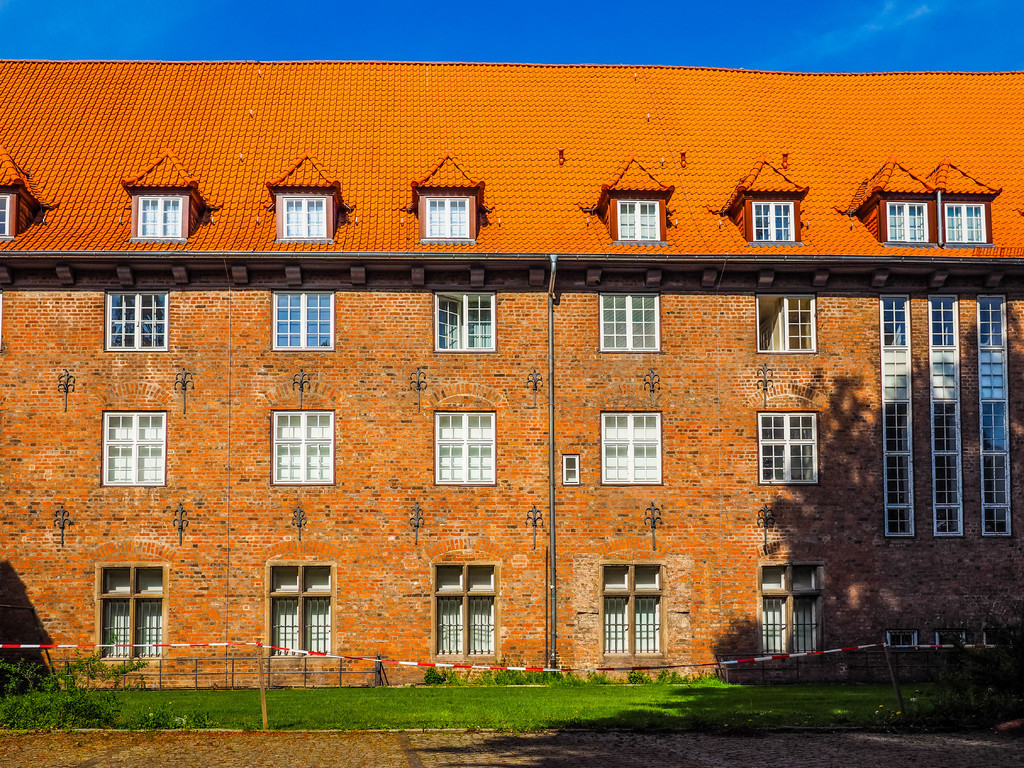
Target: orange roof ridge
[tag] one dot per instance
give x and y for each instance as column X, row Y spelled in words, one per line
column 165, row 171
column 448, row 172
column 893, row 176
column 633, row 177
column 10, row 174
column 758, row 180
column 954, row 180
column 304, row 172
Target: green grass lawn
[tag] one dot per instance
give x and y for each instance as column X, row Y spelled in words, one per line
column 526, row 708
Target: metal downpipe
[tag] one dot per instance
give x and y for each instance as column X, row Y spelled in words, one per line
column 552, row 545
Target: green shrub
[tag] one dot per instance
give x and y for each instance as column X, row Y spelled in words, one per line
column 433, row 677
column 162, row 718
column 598, row 678
column 636, row 677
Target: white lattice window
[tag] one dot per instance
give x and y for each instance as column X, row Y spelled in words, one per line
column 304, row 447
column 305, row 218
column 905, row 638
column 131, row 611
column 303, row 321
column 134, row 448
column 785, row 324
column 464, row 609
column 788, row 447
column 773, row 222
column 136, row 321
column 908, row 222
column 639, row 220
column 300, row 608
column 944, row 362
column 5, row 216
column 160, row 218
column 994, row 427
column 465, row 322
column 897, row 417
column 629, row 323
column 790, row 608
column 965, row 223
column 448, row 218
column 631, row 608
column 631, row 448
column 464, row 448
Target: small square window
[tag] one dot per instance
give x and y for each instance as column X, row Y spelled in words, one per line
column 773, row 222
column 464, row 448
column 639, row 220
column 447, row 218
column 136, row 321
column 160, row 218
column 785, row 324
column 570, row 469
column 134, row 447
column 303, row 321
column 965, row 223
column 305, row 218
column 908, row 222
column 629, row 323
column 304, row 447
column 465, row 322
column 788, row 447
column 631, row 448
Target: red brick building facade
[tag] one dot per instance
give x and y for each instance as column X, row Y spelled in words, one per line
column 301, row 307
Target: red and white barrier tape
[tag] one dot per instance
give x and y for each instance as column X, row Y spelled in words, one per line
column 456, row 665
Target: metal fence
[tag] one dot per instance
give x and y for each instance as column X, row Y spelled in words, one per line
column 865, row 666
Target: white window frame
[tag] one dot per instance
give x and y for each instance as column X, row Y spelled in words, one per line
column 637, row 643
column 304, row 226
column 570, row 469
column 7, row 208
column 163, row 202
column 475, row 639
column 898, row 210
column 304, row 443
column 137, row 309
column 465, row 340
column 646, row 224
column 635, row 338
column 460, row 466
column 785, row 312
column 631, row 445
column 897, row 439
column 959, row 221
column 777, row 212
column 788, row 443
column 445, row 228
column 131, row 446
column 303, row 595
column 993, row 395
column 940, row 356
column 913, row 637
column 305, row 321
column 787, row 635
column 133, row 642
column 960, row 633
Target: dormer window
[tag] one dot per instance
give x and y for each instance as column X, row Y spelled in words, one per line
column 305, row 218
column 5, row 216
column 908, row 222
column 965, row 223
column 638, row 220
column 160, row 217
column 773, row 222
column 448, row 218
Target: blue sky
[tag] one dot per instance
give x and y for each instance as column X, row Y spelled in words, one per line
column 824, row 35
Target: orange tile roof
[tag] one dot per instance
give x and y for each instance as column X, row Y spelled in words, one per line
column 765, row 177
column 165, row 172
column 13, row 176
column 949, row 178
column 80, row 127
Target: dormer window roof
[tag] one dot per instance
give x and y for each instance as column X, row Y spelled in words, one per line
column 765, row 205
column 166, row 203
column 19, row 202
column 633, row 205
column 448, row 202
column 308, row 202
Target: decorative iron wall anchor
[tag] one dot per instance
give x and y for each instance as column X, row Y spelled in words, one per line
column 417, row 383
column 65, row 384
column 299, row 520
column 184, row 382
column 765, row 381
column 180, row 521
column 534, row 381
column 765, row 518
column 652, row 384
column 534, row 517
column 416, row 521
column 61, row 519
column 653, row 519
column 300, row 381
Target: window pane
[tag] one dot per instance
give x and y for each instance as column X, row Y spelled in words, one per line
column 773, row 625
column 284, row 578
column 317, row 578
column 449, row 625
column 149, row 580
column 613, row 322
column 805, row 624
column 481, row 578
column 773, row 577
column 115, row 628
column 805, row 577
column 647, row 577
column 284, row 631
column 648, row 624
column 616, row 577
column 449, row 577
column 481, row 625
column 616, row 625
column 449, row 322
column 148, row 627
column 117, row 580
column 317, row 624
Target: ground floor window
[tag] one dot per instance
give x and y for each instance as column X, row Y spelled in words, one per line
column 631, row 607
column 131, row 610
column 790, row 608
column 901, row 637
column 464, row 609
column 300, row 608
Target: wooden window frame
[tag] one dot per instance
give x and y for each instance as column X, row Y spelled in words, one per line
column 789, row 593
column 133, row 595
column 464, row 593
column 631, row 592
column 936, row 351
column 9, row 219
column 630, row 309
column 898, row 354
column 986, row 221
column 281, row 212
column 301, row 595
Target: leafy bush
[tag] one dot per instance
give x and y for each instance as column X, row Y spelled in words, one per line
column 433, row 677
column 636, row 677
column 598, row 678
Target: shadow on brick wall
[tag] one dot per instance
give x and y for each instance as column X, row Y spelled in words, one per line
column 19, row 622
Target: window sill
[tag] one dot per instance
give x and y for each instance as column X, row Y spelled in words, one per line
column 472, row 351
column 447, row 241
column 304, row 240
column 280, row 483
column 652, row 351
column 159, row 240
column 305, row 349
column 902, row 244
column 135, row 350
column 787, row 351
column 621, row 484
column 642, row 243
column 161, row 484
column 451, row 484
column 776, row 243
column 788, row 482
column 958, row 244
